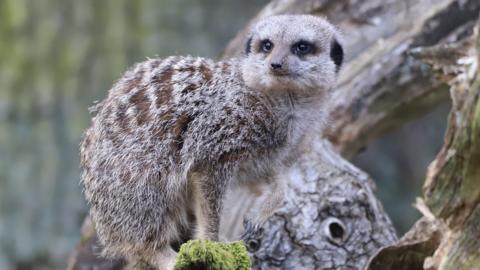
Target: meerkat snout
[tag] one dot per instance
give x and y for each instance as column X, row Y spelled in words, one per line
column 276, row 66
column 298, row 53
column 278, row 63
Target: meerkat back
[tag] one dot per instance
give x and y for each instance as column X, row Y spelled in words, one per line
column 159, row 121
column 133, row 171
column 173, row 133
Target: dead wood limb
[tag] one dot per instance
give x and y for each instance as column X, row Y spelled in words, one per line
column 451, row 204
column 381, row 86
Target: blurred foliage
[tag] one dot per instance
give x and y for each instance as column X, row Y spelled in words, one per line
column 56, row 58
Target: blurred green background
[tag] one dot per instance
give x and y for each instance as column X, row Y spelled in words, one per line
column 58, row 56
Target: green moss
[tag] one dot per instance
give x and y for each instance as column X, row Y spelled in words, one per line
column 203, row 254
column 218, row 256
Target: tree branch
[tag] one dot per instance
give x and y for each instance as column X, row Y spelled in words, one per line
column 449, row 231
column 381, row 86
column 451, row 189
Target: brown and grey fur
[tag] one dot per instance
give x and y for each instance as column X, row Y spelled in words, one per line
column 175, row 133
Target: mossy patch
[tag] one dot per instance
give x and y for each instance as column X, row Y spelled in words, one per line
column 202, row 254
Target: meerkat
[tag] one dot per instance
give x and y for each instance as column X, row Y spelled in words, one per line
column 173, row 134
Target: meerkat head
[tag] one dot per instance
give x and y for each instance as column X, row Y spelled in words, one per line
column 292, row 52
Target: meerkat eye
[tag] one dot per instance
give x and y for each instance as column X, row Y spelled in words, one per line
column 266, row 46
column 302, row 48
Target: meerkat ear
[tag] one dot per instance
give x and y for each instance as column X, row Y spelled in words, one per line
column 336, row 53
column 248, row 46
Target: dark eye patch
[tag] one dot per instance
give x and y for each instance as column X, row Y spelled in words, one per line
column 248, row 46
column 303, row 48
column 336, row 53
column 266, row 46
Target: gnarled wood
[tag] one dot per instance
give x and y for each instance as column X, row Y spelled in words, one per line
column 452, row 188
column 330, row 218
column 381, row 87
column 451, row 205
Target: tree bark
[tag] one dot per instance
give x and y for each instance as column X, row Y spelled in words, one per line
column 330, row 218
column 447, row 236
column 381, row 87
column 452, row 187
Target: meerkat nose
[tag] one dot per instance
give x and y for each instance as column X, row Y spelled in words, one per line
column 276, row 66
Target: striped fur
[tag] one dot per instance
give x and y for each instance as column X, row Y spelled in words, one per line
column 175, row 133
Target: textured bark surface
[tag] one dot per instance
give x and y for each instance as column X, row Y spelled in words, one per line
column 380, row 87
column 330, row 218
column 412, row 249
column 451, row 189
column 447, row 236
